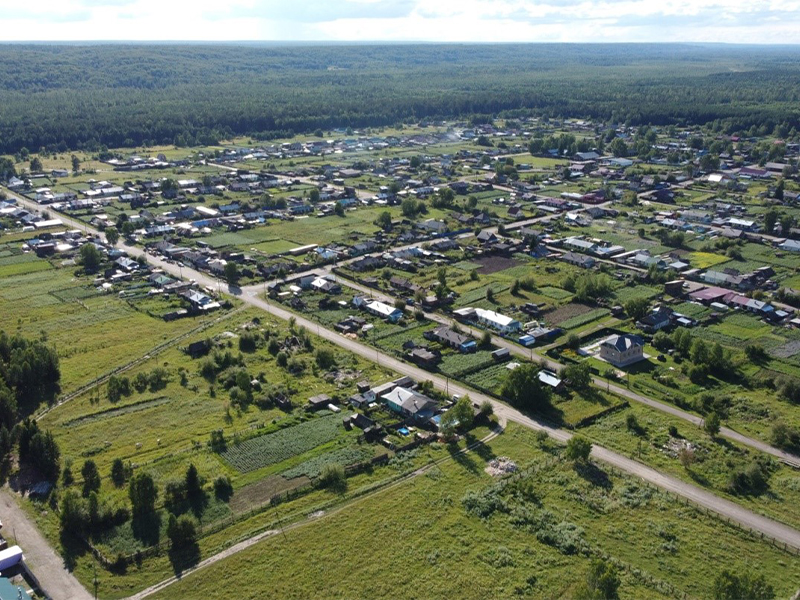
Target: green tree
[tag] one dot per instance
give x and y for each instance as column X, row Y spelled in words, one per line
column 231, row 273
column 523, row 389
column 779, row 190
column 91, row 478
column 44, row 454
column 463, row 413
column 410, row 207
column 578, row 449
column 770, row 219
column 313, row 196
column 602, row 583
column 36, row 165
column 143, row 494
column 333, row 477
column 712, row 424
column 76, row 164
column 384, row 220
column 730, row 585
column 636, row 308
column 181, row 531
column 325, row 358
column 112, row 236
column 579, row 376
column 91, row 257
column 338, row 209
column 118, row 472
column 192, row 482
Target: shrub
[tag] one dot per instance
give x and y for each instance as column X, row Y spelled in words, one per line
column 578, row 449
column 333, row 477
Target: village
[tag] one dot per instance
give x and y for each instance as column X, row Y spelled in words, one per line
column 654, row 270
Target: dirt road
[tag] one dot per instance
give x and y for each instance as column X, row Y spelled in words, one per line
column 46, row 565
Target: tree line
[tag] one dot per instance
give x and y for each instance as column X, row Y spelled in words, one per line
column 85, row 97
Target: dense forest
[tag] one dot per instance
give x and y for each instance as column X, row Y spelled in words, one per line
column 83, row 96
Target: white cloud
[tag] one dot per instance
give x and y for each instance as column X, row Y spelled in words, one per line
column 735, row 21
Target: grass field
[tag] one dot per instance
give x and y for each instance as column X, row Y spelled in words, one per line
column 92, row 332
column 424, row 531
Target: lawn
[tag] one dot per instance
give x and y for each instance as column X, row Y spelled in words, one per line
column 704, row 260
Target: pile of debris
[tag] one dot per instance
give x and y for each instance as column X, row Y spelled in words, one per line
column 500, row 466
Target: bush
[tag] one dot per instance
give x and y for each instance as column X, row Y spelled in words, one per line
column 753, row 479
column 633, row 424
column 712, row 424
column 181, row 531
column 325, row 358
column 282, row 359
column 484, row 503
column 333, row 477
column 223, row 488
column 578, row 449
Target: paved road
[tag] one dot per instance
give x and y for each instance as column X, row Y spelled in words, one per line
column 778, row 531
column 47, row 566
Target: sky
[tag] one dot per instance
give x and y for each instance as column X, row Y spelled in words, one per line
column 728, row 21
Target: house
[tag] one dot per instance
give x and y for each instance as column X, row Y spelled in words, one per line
column 433, row 226
column 445, row 335
column 579, row 260
column 790, row 246
column 410, row 403
column 490, row 318
column 444, row 245
column 656, row 320
column 9, row 590
column 384, row 311
column 423, row 357
column 622, row 350
column 320, row 284
column 127, row 264
column 580, row 245
column 367, row 263
column 197, row 349
column 319, row 401
column 486, row 237
column 551, row 379
column 350, row 324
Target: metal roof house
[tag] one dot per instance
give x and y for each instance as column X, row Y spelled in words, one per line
column 622, row 350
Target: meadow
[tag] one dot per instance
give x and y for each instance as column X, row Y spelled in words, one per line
column 434, row 544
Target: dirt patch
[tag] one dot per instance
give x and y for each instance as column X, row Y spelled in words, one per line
column 788, row 350
column 493, row 264
column 568, row 311
column 260, row 492
column 674, row 446
column 500, row 466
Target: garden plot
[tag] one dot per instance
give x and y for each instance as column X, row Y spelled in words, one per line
column 273, row 448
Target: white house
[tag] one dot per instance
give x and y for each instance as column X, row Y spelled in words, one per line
column 497, row 321
column 384, row 311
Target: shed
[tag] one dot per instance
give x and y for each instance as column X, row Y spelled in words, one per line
column 501, row 354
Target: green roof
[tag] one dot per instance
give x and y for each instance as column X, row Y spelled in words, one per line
column 9, row 591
